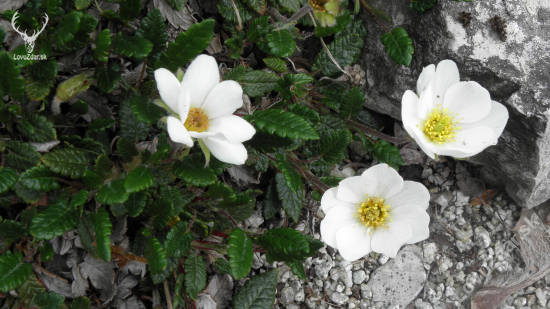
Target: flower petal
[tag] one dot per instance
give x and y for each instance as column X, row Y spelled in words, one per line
column 329, row 200
column 388, row 241
column 424, row 143
column 446, row 75
column 355, row 189
column 417, row 218
column 225, row 151
column 412, row 193
column 224, row 99
column 201, row 77
column 409, row 110
column 204, row 134
column 469, row 142
column 169, row 88
column 426, row 103
column 425, row 78
column 353, row 241
column 184, row 101
column 496, row 120
column 178, row 133
column 335, row 219
column 388, row 181
column 233, row 127
column 469, row 101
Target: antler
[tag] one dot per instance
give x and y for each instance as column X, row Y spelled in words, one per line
column 35, row 34
column 14, row 27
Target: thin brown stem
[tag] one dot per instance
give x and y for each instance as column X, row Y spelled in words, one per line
column 371, row 131
column 240, row 26
column 230, row 218
column 167, row 293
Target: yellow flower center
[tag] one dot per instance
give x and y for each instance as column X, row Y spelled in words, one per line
column 441, row 126
column 197, row 120
column 373, row 213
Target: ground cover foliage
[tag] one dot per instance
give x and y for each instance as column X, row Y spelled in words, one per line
column 90, row 179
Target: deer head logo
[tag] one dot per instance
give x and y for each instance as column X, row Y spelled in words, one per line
column 29, row 40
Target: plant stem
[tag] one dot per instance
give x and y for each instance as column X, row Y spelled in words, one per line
column 142, row 71
column 240, row 26
column 364, row 5
column 301, row 13
column 167, row 293
column 371, row 131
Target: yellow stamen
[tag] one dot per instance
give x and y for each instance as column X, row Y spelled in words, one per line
column 197, row 120
column 373, row 213
column 441, row 127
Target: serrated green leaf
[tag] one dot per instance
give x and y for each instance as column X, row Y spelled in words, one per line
column 188, row 45
column 73, row 31
column 79, row 199
column 276, row 64
column 176, row 5
column 267, row 142
column 222, row 266
column 103, row 43
column 346, row 51
column 292, row 178
column 126, row 149
column 14, row 273
column 129, row 9
column 28, row 195
column 178, row 240
column 85, row 230
column 131, row 46
column 290, row 201
column 290, row 85
column 82, row 4
column 398, row 45
column 139, row 179
column 21, row 156
column 303, row 111
column 2, row 34
column 240, row 253
column 228, row 12
column 80, row 302
column 145, row 110
column 10, row 80
column 332, row 146
column 66, row 28
column 156, row 258
column 162, row 211
column 191, row 169
column 130, row 126
column 54, row 221
column 289, row 245
column 107, row 77
column 46, row 252
column 421, row 5
column 101, row 124
column 353, row 103
column 258, row 292
column 258, row 83
column 39, row 178
column 280, row 43
column 384, row 152
column 284, row 124
column 102, row 232
column 102, row 165
column 11, row 230
column 112, row 193
column 71, row 162
column 71, row 87
column 257, row 5
column 29, row 289
column 8, row 177
column 49, row 300
column 175, row 196
column 167, row 272
column 289, row 5
column 40, row 78
column 135, row 203
column 298, row 269
column 153, row 29
column 195, row 275
column 341, row 22
column 272, row 203
column 36, row 128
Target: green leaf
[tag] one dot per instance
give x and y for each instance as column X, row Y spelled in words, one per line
column 303, row 111
column 86, row 232
column 10, row 80
column 107, row 77
column 112, row 193
column 290, row 5
column 191, row 169
column 49, row 300
column 267, row 142
column 292, row 178
column 176, row 5
column 346, row 51
column 280, row 43
column 80, row 302
column 353, row 103
column 11, row 230
column 2, row 34
column 257, row 5
column 228, row 12
column 28, row 195
column 66, row 28
column 172, row 263
column 21, row 156
column 82, row 4
column 188, row 45
column 258, row 28
column 341, row 22
column 103, row 43
column 101, row 124
column 54, row 221
column 272, row 204
column 156, row 258
column 8, row 177
column 162, row 211
column 291, row 201
column 102, row 232
column 40, row 78
column 29, row 289
column 139, row 179
column 39, row 178
column 129, row 9
column 421, row 5
column 333, row 145
column 258, row 83
column 195, row 275
column 130, row 126
column 222, row 266
column 288, row 245
column 71, row 162
column 126, row 149
column 153, row 29
column 131, row 46
column 276, row 64
column 145, row 110
column 290, row 85
column 398, row 46
column 14, row 273
column 386, row 153
column 135, row 203
column 71, row 41
column 36, row 128
column 282, row 123
column 102, row 166
column 175, row 196
column 178, row 240
column 298, row 269
column 79, row 199
column 71, row 87
column 258, row 292
column 46, row 252
column 240, row 253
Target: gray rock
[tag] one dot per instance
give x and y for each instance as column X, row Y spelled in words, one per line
column 287, row 295
column 338, row 298
column 482, row 237
column 300, row 296
column 429, row 252
column 516, row 73
column 359, row 276
column 323, row 269
column 541, row 297
column 400, row 280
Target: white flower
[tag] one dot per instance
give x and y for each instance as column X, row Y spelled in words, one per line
column 376, row 211
column 203, row 109
column 449, row 117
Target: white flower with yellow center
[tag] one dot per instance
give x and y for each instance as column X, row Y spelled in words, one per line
column 203, row 108
column 376, row 211
column 449, row 117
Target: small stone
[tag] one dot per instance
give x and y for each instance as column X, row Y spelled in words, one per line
column 520, row 301
column 300, row 296
column 346, row 172
column 427, row 172
column 449, row 291
column 323, row 269
column 482, row 237
column 541, row 296
column 340, row 288
column 359, row 276
column 338, row 298
column 292, row 306
column 287, row 295
column 429, row 252
column 383, row 259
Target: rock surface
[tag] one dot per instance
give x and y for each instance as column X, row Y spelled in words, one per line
column 516, row 72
